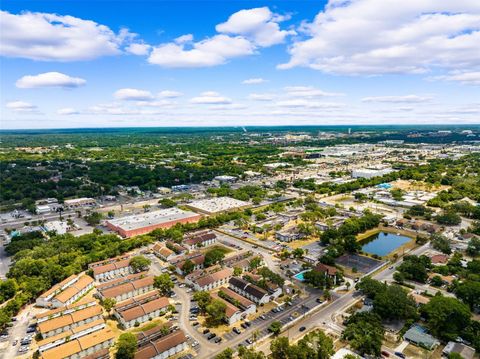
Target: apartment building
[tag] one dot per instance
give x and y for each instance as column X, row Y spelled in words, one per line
column 66, row 292
column 127, row 289
column 140, row 309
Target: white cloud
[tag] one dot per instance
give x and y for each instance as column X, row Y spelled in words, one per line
column 379, row 37
column 296, row 103
column 465, row 78
column 212, row 51
column 254, row 81
column 170, row 94
column 138, row 49
column 67, row 111
column 130, row 94
column 259, row 24
column 261, row 96
column 309, row 92
column 184, row 39
column 21, row 106
column 49, row 79
column 52, row 37
column 211, row 98
column 398, row 99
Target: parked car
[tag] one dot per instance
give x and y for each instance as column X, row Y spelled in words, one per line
column 244, row 325
column 194, row 324
column 236, row 330
column 206, row 331
column 15, row 342
column 217, row 340
column 319, row 300
column 249, row 341
column 211, row 336
column 263, row 317
column 385, row 354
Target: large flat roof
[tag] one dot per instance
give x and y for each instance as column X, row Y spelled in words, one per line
column 151, row 218
column 219, row 204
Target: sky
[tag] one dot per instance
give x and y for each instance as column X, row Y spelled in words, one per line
column 126, row 63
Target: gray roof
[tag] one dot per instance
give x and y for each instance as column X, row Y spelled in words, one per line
column 418, row 335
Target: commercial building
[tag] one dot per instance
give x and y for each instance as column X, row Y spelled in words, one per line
column 66, row 292
column 217, row 205
column 146, row 222
column 164, row 347
column 370, row 172
column 58, row 227
column 84, row 346
column 79, row 203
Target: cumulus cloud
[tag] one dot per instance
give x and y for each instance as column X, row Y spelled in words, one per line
column 212, row 51
column 309, row 92
column 254, row 81
column 259, row 24
column 130, row 94
column 303, row 103
column 52, row 37
column 169, row 94
column 398, row 99
column 49, row 79
column 138, row 49
column 21, row 106
column 211, row 98
column 242, row 34
column 379, row 37
column 67, row 111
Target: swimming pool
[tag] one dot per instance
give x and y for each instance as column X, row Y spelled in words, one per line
column 299, row 276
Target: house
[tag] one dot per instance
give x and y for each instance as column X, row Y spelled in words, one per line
column 66, row 292
column 212, row 280
column 53, row 313
column 248, row 290
column 289, row 235
column 418, row 335
column 438, row 259
column 465, row 351
column 112, row 269
column 330, row 272
column 73, row 333
column 197, row 258
column 127, row 289
column 246, row 305
column 82, row 347
column 420, row 299
column 232, row 313
column 204, row 239
column 164, row 347
column 164, row 253
column 140, row 309
column 57, row 325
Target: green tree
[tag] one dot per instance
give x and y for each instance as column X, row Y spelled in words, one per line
column 275, row 327
column 139, row 263
column 203, row 299
column 440, row 243
column 226, row 354
column 446, row 316
column 216, row 312
column 167, row 203
column 214, row 256
column 469, row 293
column 188, row 266
column 8, row 289
column 364, row 332
column 163, row 283
column 108, row 304
column 449, row 218
column 126, row 346
column 394, row 304
column 280, row 348
column 473, row 248
column 248, row 353
column 316, row 345
column 93, row 218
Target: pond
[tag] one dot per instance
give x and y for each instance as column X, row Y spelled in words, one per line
column 383, row 243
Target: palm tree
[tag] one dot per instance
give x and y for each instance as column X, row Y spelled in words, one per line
column 255, row 335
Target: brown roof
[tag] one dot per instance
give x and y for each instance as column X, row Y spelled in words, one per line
column 161, row 345
column 57, row 286
column 128, row 278
column 127, row 287
column 70, row 332
column 235, row 296
column 326, row 269
column 83, row 282
column 212, row 278
column 108, row 260
column 81, row 302
column 230, row 309
column 154, row 294
column 144, row 309
column 111, row 266
column 439, row 259
column 77, row 345
column 69, row 319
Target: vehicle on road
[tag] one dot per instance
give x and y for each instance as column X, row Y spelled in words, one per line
column 400, row 355
column 385, row 354
column 301, row 329
column 319, row 300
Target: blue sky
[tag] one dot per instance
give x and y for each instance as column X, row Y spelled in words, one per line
column 216, row 63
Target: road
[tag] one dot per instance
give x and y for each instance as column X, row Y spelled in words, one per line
column 4, row 262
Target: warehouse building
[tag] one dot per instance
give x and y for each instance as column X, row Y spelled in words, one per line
column 217, row 205
column 146, row 222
